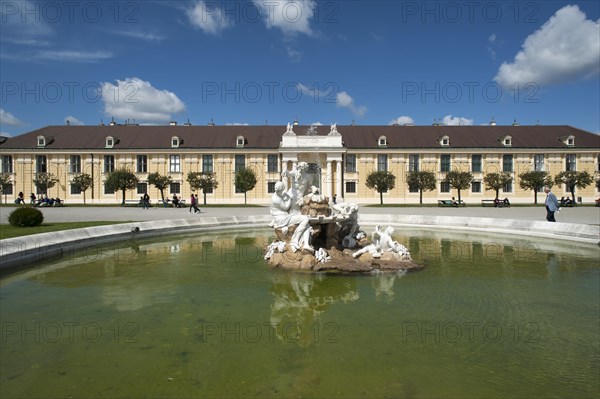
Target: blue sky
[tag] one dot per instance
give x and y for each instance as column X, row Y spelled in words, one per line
column 272, row 61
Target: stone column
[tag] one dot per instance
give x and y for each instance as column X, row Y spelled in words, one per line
column 338, row 178
column 327, row 186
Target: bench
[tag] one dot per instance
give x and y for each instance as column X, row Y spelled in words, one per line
column 167, row 203
column 132, row 202
column 499, row 204
column 452, row 203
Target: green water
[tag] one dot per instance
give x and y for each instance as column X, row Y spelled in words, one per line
column 203, row 316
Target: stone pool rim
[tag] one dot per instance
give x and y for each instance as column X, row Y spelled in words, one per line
column 20, row 251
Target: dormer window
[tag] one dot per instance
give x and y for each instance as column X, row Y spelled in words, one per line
column 445, row 141
column 570, row 141
column 240, row 141
column 507, row 141
column 175, row 142
column 109, row 142
column 41, row 141
column 382, row 141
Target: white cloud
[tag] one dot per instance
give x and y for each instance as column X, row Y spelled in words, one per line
column 293, row 55
column 492, row 38
column 73, row 121
column 237, row 124
column 134, row 98
column 450, row 120
column 343, row 99
column 208, row 17
column 73, row 56
column 290, row 16
column 402, row 120
column 6, row 118
column 565, row 48
column 147, row 36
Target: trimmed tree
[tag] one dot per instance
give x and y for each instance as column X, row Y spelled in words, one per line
column 495, row 181
column 5, row 184
column 205, row 181
column 535, row 180
column 459, row 180
column 44, row 181
column 245, row 180
column 573, row 179
column 422, row 181
column 82, row 181
column 160, row 182
column 121, row 179
column 381, row 182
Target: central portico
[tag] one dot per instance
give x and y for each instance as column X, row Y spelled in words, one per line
column 323, row 154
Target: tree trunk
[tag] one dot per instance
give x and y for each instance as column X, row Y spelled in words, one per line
column 573, row 197
column 123, row 203
column 535, row 196
column 204, row 193
column 245, row 198
column 162, row 195
column 458, row 196
column 497, row 192
column 84, row 197
column 421, row 196
column 381, row 197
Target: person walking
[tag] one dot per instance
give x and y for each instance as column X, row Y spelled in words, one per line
column 192, row 202
column 551, row 204
column 196, row 210
column 146, row 201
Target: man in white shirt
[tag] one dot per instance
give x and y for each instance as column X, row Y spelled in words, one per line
column 551, row 204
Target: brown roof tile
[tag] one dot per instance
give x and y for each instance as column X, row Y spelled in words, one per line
column 269, row 137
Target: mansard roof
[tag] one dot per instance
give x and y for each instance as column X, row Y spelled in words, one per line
column 134, row 137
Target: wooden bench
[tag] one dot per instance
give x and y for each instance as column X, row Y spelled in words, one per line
column 167, row 203
column 452, row 203
column 499, row 204
column 488, row 202
column 132, row 202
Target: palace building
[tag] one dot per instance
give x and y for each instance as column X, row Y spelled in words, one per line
column 340, row 157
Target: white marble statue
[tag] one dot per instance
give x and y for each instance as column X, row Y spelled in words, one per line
column 301, row 181
column 281, row 203
column 348, row 212
column 382, row 242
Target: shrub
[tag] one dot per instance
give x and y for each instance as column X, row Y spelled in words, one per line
column 26, row 217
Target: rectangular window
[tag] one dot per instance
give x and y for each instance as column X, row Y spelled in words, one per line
column 174, row 163
column 142, row 164
column 413, row 189
column 445, row 163
column 40, row 164
column 476, row 163
column 108, row 190
column 538, row 162
column 476, row 187
column 75, row 164
column 109, row 164
column 207, row 163
column 142, row 188
column 571, row 162
column 240, row 162
column 444, row 187
column 350, row 163
column 413, row 163
column 272, row 166
column 209, row 190
column 351, row 187
column 175, row 188
column 507, row 188
column 382, row 163
column 271, row 187
column 7, row 164
column 75, row 189
column 8, row 189
column 507, row 163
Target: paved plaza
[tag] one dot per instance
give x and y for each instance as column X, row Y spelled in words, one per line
column 584, row 215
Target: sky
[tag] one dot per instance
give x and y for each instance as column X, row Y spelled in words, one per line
column 323, row 62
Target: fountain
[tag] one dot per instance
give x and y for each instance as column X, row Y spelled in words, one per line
column 314, row 235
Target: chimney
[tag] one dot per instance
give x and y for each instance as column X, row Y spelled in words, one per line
column 493, row 122
column 172, row 123
column 101, row 123
column 435, row 122
column 68, row 122
column 112, row 122
column 187, row 123
column 211, row 123
column 515, row 123
column 296, row 123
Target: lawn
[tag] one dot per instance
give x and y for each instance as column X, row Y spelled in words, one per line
column 8, row 231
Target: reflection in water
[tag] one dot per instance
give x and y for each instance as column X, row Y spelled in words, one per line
column 384, row 285
column 299, row 300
